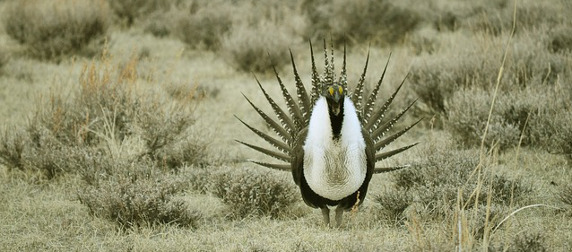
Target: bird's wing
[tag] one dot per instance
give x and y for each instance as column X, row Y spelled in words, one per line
column 297, row 163
column 369, row 152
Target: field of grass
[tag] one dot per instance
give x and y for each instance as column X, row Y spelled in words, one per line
column 118, row 133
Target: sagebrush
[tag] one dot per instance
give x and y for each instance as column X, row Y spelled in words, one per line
column 140, row 196
column 53, row 29
column 108, row 114
column 251, row 193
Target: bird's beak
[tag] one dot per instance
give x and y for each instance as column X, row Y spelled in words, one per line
column 335, row 100
column 336, row 103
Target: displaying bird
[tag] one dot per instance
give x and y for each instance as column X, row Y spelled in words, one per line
column 328, row 138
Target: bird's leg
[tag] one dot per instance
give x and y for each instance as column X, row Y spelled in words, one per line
column 339, row 215
column 326, row 215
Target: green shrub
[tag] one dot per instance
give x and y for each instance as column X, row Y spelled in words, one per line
column 12, row 144
column 160, row 24
column 4, row 58
column 441, row 79
column 529, row 15
column 380, row 22
column 393, row 203
column 565, row 195
column 204, row 25
column 256, row 48
column 437, row 77
column 539, row 115
column 468, row 125
column 52, row 29
column 131, row 10
column 436, row 182
column 133, row 198
column 560, row 40
column 528, row 242
column 250, row 192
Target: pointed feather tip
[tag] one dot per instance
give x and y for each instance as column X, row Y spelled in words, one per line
column 279, row 167
column 379, row 170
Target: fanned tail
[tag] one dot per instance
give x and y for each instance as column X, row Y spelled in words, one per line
column 315, row 78
column 303, row 98
column 372, row 117
column 291, row 121
column 370, row 104
column 295, row 117
column 293, row 108
column 357, row 96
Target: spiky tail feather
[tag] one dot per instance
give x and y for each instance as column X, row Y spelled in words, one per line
column 299, row 111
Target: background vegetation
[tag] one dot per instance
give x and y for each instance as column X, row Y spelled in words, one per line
column 118, row 131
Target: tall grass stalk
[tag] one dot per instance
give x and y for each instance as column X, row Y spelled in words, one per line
column 464, row 233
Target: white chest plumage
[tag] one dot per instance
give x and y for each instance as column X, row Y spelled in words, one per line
column 334, row 169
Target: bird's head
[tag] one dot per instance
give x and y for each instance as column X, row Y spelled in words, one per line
column 334, row 94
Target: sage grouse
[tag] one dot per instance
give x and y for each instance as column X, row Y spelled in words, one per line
column 329, row 139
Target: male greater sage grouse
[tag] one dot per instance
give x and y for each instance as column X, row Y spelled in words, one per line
column 329, row 138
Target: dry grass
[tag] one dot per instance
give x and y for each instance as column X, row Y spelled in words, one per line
column 133, row 155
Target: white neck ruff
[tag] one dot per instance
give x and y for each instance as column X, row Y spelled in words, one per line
column 334, row 169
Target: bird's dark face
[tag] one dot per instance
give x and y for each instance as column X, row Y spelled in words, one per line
column 334, row 94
